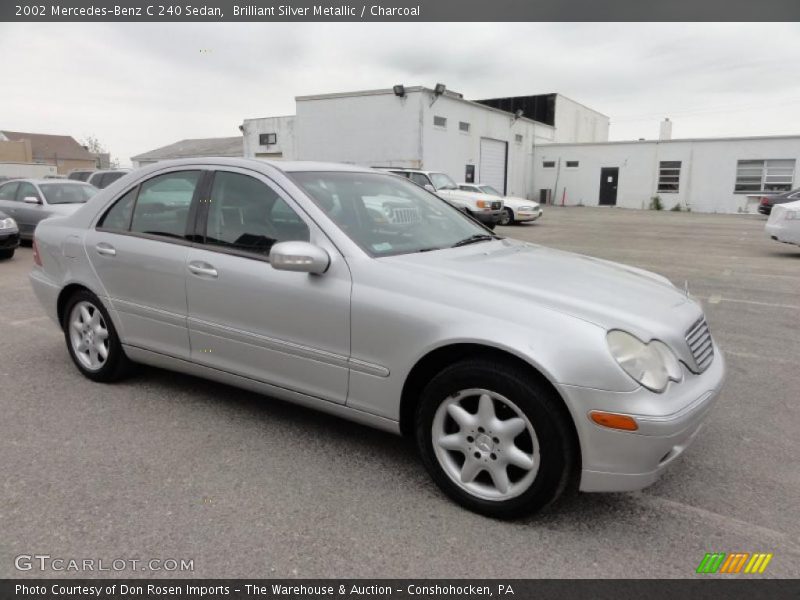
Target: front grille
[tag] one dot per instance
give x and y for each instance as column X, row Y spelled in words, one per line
column 700, row 345
column 497, row 205
column 405, row 215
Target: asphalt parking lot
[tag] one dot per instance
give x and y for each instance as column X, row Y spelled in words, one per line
column 169, row 466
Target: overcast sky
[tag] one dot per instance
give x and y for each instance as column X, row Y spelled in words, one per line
column 140, row 86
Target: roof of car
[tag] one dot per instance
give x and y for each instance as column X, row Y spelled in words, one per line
column 287, row 166
column 45, row 181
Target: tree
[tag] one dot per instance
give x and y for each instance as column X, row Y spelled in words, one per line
column 93, row 145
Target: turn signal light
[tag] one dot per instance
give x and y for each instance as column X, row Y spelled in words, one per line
column 36, row 258
column 614, row 421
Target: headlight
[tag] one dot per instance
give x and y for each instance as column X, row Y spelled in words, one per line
column 8, row 223
column 652, row 365
column 526, row 209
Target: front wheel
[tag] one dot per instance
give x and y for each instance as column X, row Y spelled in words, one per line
column 507, row 217
column 92, row 340
column 494, row 438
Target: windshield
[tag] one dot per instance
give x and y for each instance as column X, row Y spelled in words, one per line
column 67, row 193
column 487, row 189
column 443, row 182
column 387, row 215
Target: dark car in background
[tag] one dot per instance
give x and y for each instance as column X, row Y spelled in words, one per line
column 766, row 203
column 104, row 178
column 80, row 174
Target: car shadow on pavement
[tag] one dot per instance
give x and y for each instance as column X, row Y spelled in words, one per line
column 397, row 457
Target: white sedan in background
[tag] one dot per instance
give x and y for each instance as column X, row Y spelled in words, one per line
column 515, row 210
column 783, row 224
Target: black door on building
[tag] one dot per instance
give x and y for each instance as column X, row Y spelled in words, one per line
column 609, row 176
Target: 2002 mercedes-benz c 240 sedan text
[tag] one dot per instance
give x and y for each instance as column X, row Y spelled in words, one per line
column 520, row 371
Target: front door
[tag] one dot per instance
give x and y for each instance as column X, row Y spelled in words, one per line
column 288, row 329
column 609, row 177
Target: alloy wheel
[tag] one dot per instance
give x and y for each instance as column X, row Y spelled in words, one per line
column 88, row 335
column 485, row 444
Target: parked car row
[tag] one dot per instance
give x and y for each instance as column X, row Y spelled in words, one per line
column 766, row 203
column 482, row 202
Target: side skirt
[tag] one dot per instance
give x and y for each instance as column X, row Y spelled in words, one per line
column 163, row 361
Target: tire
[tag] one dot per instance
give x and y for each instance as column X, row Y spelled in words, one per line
column 507, row 218
column 84, row 308
column 490, row 225
column 5, row 254
column 536, row 426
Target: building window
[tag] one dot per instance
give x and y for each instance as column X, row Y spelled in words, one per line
column 572, row 164
column 462, row 126
column 764, row 176
column 267, row 139
column 549, row 164
column 669, row 175
column 518, row 138
column 439, row 122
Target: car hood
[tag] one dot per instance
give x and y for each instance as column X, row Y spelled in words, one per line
column 610, row 295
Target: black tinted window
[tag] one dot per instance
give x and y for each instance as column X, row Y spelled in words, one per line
column 110, row 178
column 8, row 191
column 246, row 214
column 119, row 216
column 162, row 207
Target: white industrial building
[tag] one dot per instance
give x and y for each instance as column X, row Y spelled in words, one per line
column 545, row 147
column 434, row 129
column 723, row 175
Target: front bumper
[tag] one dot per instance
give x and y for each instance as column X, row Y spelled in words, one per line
column 781, row 232
column 487, row 217
column 527, row 215
column 619, row 461
column 9, row 240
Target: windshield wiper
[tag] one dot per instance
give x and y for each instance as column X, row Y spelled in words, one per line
column 474, row 239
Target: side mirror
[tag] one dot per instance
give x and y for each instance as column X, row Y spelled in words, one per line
column 31, row 200
column 430, row 188
column 299, row 256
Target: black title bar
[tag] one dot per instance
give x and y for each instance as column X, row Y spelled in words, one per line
column 398, row 10
column 398, row 589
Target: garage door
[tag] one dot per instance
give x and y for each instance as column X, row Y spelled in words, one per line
column 493, row 164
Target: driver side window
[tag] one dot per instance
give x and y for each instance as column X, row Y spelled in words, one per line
column 247, row 215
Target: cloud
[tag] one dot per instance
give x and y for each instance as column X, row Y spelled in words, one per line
column 139, row 86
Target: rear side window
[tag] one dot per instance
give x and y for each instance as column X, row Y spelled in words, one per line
column 419, row 179
column 245, row 214
column 119, row 217
column 162, row 206
column 8, row 191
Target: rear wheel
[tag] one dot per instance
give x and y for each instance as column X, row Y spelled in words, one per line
column 494, row 439
column 92, row 340
column 4, row 254
column 507, row 217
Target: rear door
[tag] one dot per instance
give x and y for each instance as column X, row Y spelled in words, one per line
column 139, row 250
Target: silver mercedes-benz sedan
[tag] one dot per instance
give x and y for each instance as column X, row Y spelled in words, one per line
column 520, row 371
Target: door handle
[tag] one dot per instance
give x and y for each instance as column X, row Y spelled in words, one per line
column 106, row 249
column 202, row 269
